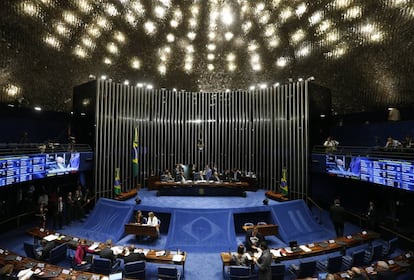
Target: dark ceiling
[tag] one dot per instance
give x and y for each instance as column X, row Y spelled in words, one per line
column 361, row 49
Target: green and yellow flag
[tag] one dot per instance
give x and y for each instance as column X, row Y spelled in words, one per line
column 117, row 182
column 135, row 154
column 283, row 182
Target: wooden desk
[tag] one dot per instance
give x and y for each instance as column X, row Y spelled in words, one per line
column 154, row 256
column 127, row 195
column 48, row 271
column 265, row 230
column 141, row 230
column 317, row 248
column 203, row 188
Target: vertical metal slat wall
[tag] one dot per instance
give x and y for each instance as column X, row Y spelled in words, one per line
column 259, row 131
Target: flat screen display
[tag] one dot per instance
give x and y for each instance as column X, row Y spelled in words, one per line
column 22, row 168
column 388, row 172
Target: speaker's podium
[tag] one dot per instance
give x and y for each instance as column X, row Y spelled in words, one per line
column 276, row 196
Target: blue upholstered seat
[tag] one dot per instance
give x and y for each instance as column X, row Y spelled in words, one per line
column 237, row 272
column 168, row 272
column 104, row 266
column 29, row 250
column 278, row 271
column 374, row 254
column 332, row 265
column 356, row 259
column 135, row 270
column 304, row 269
column 57, row 254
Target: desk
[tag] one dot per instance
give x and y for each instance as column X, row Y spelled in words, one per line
column 313, row 249
column 202, row 188
column 127, row 195
column 155, row 256
column 399, row 264
column 265, row 230
column 47, row 271
column 141, row 230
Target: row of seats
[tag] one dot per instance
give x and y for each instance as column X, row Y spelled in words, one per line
column 333, row 264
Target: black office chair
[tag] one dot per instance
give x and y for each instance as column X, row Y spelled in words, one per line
column 374, row 254
column 104, row 266
column 168, row 273
column 278, row 271
column 304, row 269
column 390, row 247
column 332, row 264
column 135, row 270
column 29, row 250
column 357, row 258
column 237, row 272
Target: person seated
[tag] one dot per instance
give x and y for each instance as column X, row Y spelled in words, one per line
column 47, row 246
column 131, row 254
column 356, row 273
column 166, row 176
column 241, row 257
column 381, row 272
column 140, row 219
column 81, row 258
column 153, row 221
column 392, row 143
column 179, row 177
column 198, row 176
column 107, row 252
column 207, row 172
column 253, row 239
column 215, row 177
column 408, row 142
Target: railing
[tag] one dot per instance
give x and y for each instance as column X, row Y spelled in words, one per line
column 39, row 148
column 395, row 153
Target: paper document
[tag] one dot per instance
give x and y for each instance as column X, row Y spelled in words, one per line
column 94, row 246
column 50, row 237
column 275, row 253
column 177, row 258
column 160, row 253
column 304, row 248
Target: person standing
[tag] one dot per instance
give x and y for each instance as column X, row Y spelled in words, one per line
column 264, row 262
column 337, row 213
column 59, row 214
column 153, row 221
column 371, row 215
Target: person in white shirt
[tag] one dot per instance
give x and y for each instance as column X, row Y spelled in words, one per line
column 154, row 221
column 330, row 144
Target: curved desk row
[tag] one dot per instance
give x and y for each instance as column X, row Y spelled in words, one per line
column 155, row 256
column 203, row 188
column 43, row 270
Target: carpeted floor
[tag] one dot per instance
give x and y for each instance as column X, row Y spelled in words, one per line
column 204, row 238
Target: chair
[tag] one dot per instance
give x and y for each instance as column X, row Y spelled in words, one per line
column 135, row 270
column 104, row 266
column 332, row 264
column 168, row 272
column 278, row 271
column 261, row 223
column 29, row 250
column 390, row 247
column 374, row 254
column 57, row 254
column 356, row 259
column 305, row 269
column 237, row 272
column 248, row 224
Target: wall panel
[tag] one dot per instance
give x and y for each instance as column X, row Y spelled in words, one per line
column 259, row 131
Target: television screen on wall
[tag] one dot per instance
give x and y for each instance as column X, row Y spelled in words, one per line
column 22, row 168
column 383, row 171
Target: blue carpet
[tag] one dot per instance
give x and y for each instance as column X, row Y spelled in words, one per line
column 201, row 230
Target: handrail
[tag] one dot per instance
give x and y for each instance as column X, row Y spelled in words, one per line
column 314, row 203
column 399, row 153
column 16, row 217
column 40, row 148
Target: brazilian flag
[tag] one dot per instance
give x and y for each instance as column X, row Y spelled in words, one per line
column 283, row 183
column 117, row 182
column 135, row 154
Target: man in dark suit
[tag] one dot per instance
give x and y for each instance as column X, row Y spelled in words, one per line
column 107, row 252
column 382, row 272
column 253, row 239
column 264, row 262
column 131, row 255
column 337, row 213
